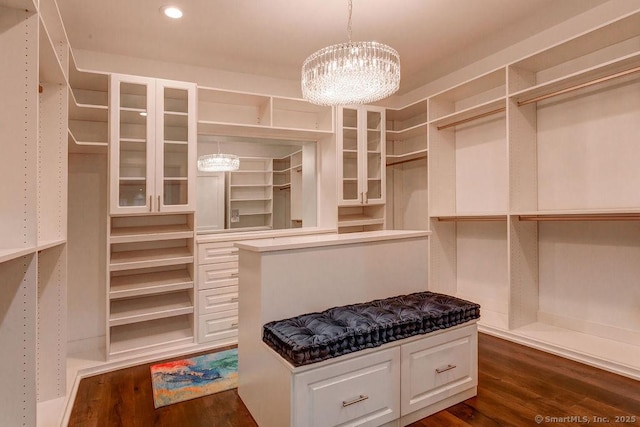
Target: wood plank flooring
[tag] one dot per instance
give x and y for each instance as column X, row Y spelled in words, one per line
column 516, row 384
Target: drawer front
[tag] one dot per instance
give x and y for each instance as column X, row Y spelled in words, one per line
column 216, row 252
column 364, row 391
column 212, row 327
column 212, row 300
column 438, row 367
column 209, row 277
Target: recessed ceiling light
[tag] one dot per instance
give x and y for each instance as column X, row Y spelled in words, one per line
column 172, row 12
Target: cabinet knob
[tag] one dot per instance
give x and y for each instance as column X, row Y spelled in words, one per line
column 448, row 368
column 346, row 403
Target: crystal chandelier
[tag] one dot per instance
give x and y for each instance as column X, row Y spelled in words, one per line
column 351, row 73
column 218, row 162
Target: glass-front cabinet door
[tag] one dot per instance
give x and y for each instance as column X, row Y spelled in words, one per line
column 152, row 145
column 132, row 115
column 176, row 146
column 361, row 156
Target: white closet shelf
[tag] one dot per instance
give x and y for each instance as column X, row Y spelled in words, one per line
column 230, row 129
column 150, row 233
column 253, row 213
column 417, row 109
column 265, row 199
column 86, row 147
column 48, row 244
column 9, row 254
column 142, row 284
column 393, row 159
column 411, row 132
column 477, row 111
column 148, row 336
column 85, row 79
column 176, row 113
column 580, row 79
column 473, row 216
column 142, row 309
column 128, row 260
column 87, row 112
column 358, row 220
column 249, row 185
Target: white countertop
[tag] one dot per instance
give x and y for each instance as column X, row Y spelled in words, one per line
column 261, row 234
column 313, row 241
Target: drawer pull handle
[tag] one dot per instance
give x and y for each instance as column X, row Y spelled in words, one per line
column 234, row 325
column 235, row 274
column 354, row 401
column 235, row 299
column 448, row 368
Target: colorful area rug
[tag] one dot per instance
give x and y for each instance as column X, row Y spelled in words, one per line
column 199, row 376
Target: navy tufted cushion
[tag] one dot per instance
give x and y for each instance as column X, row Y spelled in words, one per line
column 314, row 337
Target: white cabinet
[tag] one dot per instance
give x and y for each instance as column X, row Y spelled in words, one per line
column 361, row 151
column 438, row 367
column 153, row 145
column 361, row 168
column 364, row 391
column 217, row 293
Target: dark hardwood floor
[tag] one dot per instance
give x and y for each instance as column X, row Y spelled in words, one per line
column 516, row 384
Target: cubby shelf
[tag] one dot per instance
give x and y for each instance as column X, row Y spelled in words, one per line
column 11, row 254
column 393, row 159
column 357, row 220
column 150, row 233
column 142, row 284
column 128, row 260
column 141, row 309
column 144, row 337
column 484, row 109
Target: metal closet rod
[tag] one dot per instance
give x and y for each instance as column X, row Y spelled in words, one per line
column 470, row 119
column 580, row 86
column 407, row 161
column 578, row 217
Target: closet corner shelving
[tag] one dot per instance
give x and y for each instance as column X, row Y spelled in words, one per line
column 250, row 195
column 88, row 110
column 234, row 113
column 533, row 204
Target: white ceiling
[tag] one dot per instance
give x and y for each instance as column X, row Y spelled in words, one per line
column 273, row 37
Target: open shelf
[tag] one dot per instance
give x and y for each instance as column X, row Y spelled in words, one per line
column 150, row 233
column 145, row 308
column 233, row 129
column 156, row 282
column 628, row 65
column 485, row 109
column 358, row 220
column 393, row 159
column 143, row 337
column 147, row 258
column 10, row 254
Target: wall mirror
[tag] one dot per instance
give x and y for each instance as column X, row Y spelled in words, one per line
column 274, row 188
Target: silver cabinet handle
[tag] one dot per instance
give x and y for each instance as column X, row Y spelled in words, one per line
column 448, row 368
column 346, row 403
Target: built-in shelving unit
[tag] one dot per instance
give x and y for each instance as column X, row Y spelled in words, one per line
column 406, row 161
column 151, row 283
column 88, row 110
column 533, row 203
column 33, row 165
column 361, row 168
column 250, row 194
column 223, row 112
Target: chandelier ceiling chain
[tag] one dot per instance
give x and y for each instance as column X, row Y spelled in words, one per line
column 351, row 73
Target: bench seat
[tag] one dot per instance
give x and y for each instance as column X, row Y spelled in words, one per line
column 314, row 337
